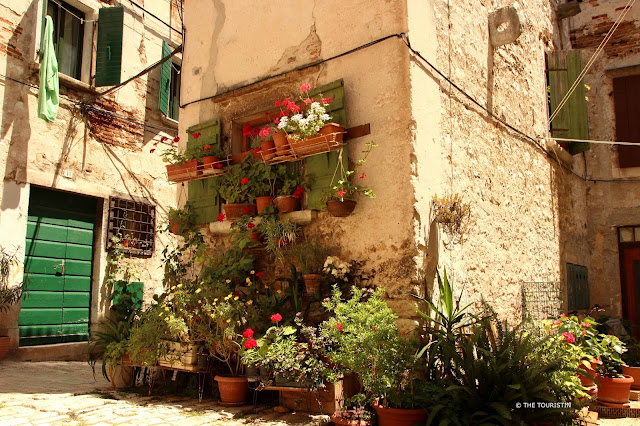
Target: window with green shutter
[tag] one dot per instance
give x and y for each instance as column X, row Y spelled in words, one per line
column 203, row 193
column 577, row 287
column 109, row 46
column 320, row 168
column 563, row 68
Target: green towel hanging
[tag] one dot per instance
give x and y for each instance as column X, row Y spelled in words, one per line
column 49, row 92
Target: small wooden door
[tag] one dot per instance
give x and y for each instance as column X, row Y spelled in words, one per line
column 630, row 277
column 58, row 265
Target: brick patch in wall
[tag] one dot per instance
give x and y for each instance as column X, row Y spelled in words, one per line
column 625, row 40
column 114, row 131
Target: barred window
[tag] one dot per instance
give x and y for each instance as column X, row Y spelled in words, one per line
column 131, row 226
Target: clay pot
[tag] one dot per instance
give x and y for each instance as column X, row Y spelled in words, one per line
column 633, row 372
column 4, row 345
column 239, row 158
column 233, row 390
column 584, row 380
column 267, row 150
column 399, row 416
column 312, row 283
column 263, row 202
column 235, row 211
column 337, row 208
column 287, row 203
column 614, row 390
column 256, row 237
column 181, row 172
column 338, row 420
column 211, row 165
column 281, row 143
column 327, row 139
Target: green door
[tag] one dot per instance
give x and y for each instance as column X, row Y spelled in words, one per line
column 57, row 265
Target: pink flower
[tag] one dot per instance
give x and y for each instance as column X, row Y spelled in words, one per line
column 308, row 101
column 248, row 333
column 342, row 193
column 250, row 343
column 221, row 217
column 326, row 100
column 584, row 332
column 556, row 322
column 568, row 337
column 563, row 315
column 276, row 318
column 362, row 175
column 585, row 324
column 552, row 331
column 264, row 132
column 305, row 87
column 244, row 181
column 339, row 327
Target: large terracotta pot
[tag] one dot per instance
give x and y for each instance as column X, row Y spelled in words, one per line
column 312, row 283
column 4, row 345
column 235, row 211
column 399, row 416
column 584, row 380
column 614, row 390
column 255, row 237
column 634, row 372
column 239, row 158
column 263, row 202
column 281, row 143
column 233, row 390
column 185, row 171
column 212, row 165
column 267, row 150
column 287, row 203
column 327, row 139
column 338, row 420
column 337, row 208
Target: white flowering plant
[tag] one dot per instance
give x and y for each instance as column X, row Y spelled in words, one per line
column 339, row 269
column 306, row 121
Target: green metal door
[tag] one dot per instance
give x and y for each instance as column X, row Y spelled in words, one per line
column 58, row 265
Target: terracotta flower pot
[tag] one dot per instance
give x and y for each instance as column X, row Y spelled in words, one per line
column 4, row 345
column 399, row 416
column 185, row 171
column 633, row 372
column 281, row 143
column 239, row 158
column 268, row 150
column 287, row 203
column 256, row 237
column 212, row 165
column 236, row 210
column 233, row 390
column 614, row 390
column 338, row 420
column 327, row 139
column 584, row 380
column 312, row 283
column 337, row 208
column 263, row 202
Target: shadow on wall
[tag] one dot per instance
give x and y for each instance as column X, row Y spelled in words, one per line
column 15, row 127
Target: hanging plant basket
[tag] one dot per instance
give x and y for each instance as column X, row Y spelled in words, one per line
column 337, row 208
column 329, row 138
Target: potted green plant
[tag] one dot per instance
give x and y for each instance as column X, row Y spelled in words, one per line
column 277, row 233
column 311, row 256
column 354, row 412
column 290, row 190
column 265, row 182
column 613, row 387
column 236, row 187
column 212, row 158
column 263, row 141
column 10, row 293
column 180, row 167
column 340, row 198
column 181, row 220
column 631, row 359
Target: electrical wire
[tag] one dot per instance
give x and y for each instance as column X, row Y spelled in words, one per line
column 82, row 20
column 145, row 10
column 592, row 60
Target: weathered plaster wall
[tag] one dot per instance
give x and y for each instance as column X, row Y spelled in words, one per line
column 513, row 187
column 609, row 204
column 108, row 157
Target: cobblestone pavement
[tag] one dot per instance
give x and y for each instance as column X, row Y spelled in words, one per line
column 41, row 393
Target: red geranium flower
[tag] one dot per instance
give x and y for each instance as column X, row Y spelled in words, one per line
column 285, row 102
column 294, row 108
column 250, row 343
column 563, row 315
column 176, row 139
column 556, row 322
column 305, row 87
column 257, row 150
column 218, row 165
column 164, row 138
column 404, row 332
column 221, row 217
column 276, row 317
column 152, row 150
column 196, row 135
column 568, row 337
column 244, row 181
column 248, row 333
column 339, row 327
column 278, row 103
column 308, row 101
column 250, row 225
column 326, row 100
column 259, row 274
column 277, row 120
column 207, row 147
column 585, row 324
column 362, row 175
column 246, row 130
column 237, row 293
column 245, row 210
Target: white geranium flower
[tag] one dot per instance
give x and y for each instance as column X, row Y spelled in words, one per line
column 325, row 117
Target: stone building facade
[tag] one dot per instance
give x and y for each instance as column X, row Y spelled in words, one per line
column 69, row 186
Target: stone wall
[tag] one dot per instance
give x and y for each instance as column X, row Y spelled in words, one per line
column 95, row 154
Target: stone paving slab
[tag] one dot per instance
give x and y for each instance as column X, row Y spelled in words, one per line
column 66, row 393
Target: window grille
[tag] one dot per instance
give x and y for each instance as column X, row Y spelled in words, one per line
column 540, row 299
column 131, row 227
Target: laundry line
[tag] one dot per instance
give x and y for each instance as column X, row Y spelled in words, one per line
column 594, row 141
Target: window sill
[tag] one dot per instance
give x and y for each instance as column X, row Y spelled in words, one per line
column 67, row 81
column 170, row 122
column 302, row 217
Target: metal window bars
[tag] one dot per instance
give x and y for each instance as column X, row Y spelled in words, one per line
column 131, row 227
column 541, row 298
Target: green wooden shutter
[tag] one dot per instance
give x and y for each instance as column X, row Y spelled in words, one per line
column 321, row 167
column 165, row 80
column 109, row 46
column 564, row 67
column 577, row 287
column 203, row 193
